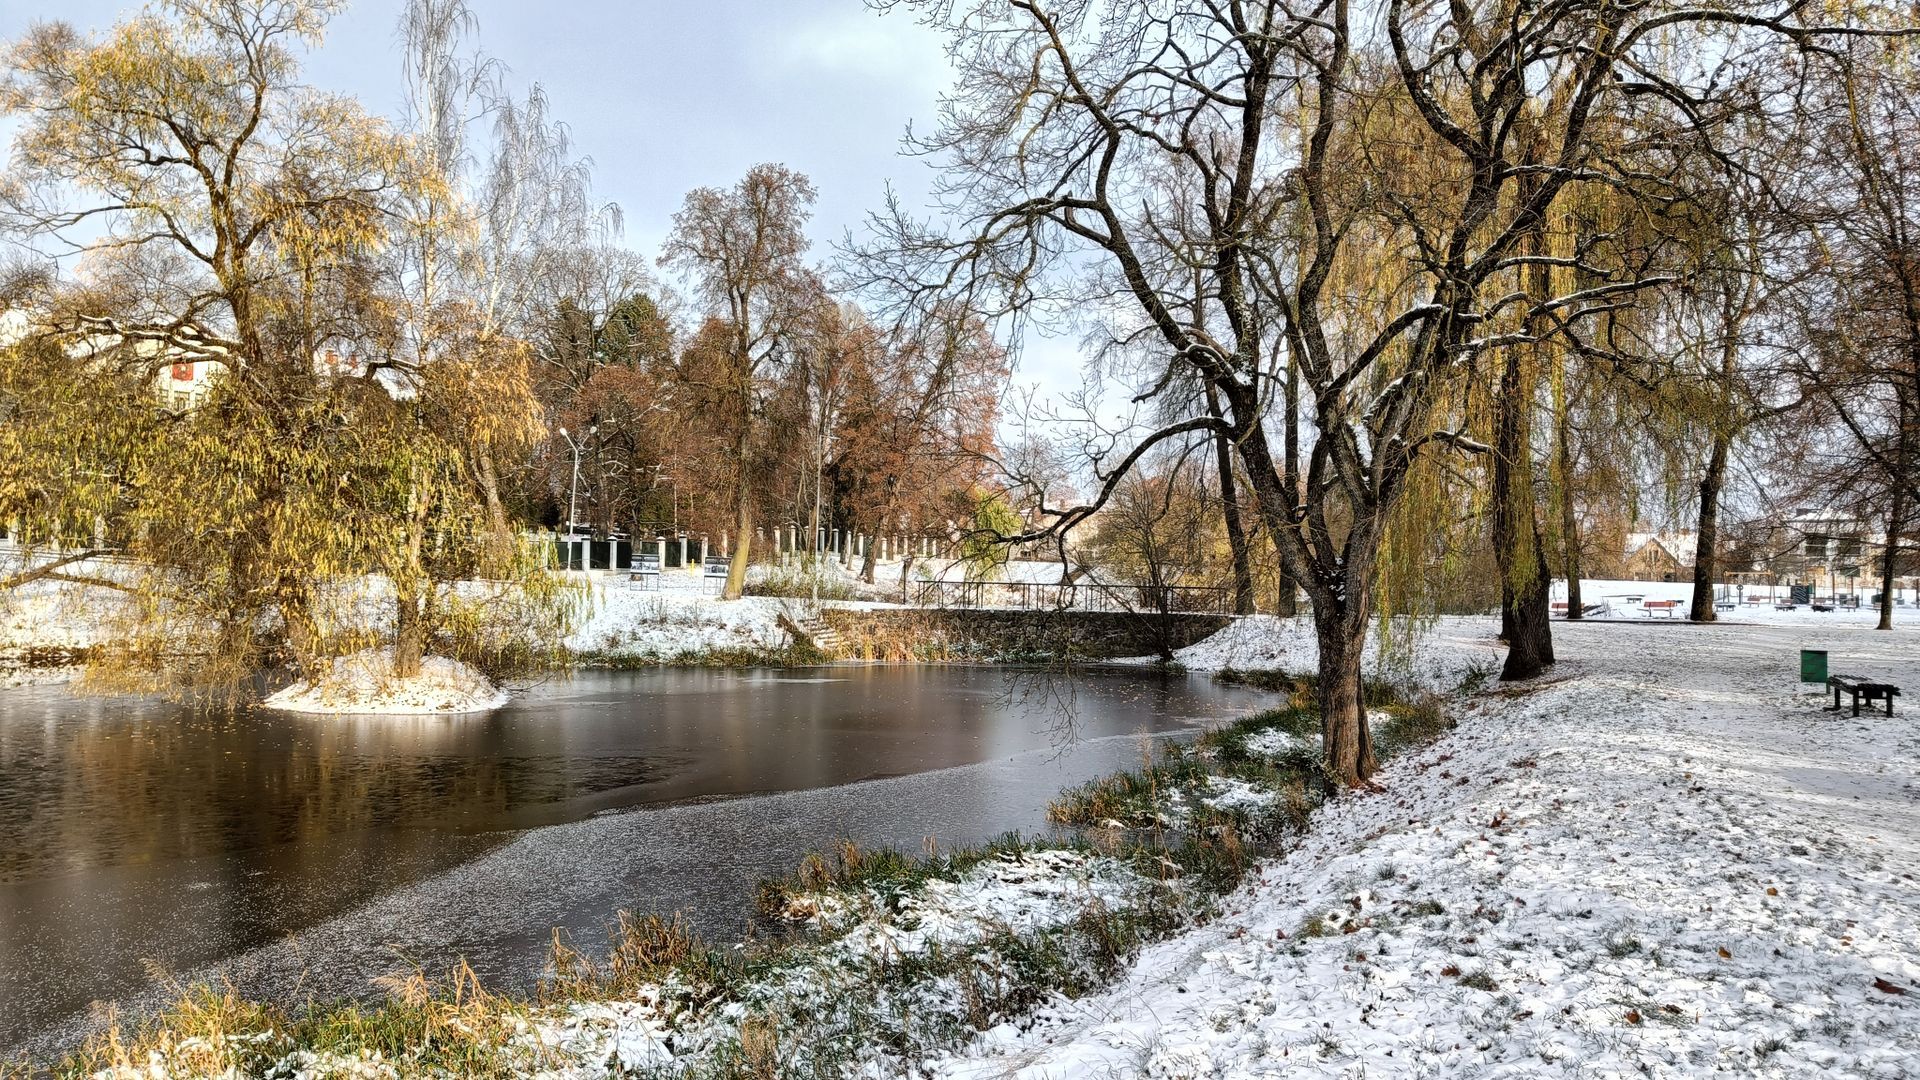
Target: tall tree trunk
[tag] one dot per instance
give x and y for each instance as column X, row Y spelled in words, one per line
column 1897, row 510
column 499, row 550
column 1525, row 585
column 1889, row 558
column 1287, row 603
column 1345, row 735
column 1230, row 510
column 1524, row 588
column 411, row 589
column 409, row 633
column 743, row 531
column 1569, row 518
column 1706, row 559
column 868, row 559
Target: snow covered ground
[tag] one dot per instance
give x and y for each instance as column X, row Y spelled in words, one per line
column 1626, row 598
column 364, row 683
column 1663, row 860
column 1434, row 656
column 682, row 617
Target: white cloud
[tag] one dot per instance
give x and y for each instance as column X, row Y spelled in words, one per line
column 860, row 44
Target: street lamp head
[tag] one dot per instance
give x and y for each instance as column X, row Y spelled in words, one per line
column 563, row 433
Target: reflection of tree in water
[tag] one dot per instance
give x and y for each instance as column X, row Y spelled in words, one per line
column 1054, row 690
column 146, row 783
column 1051, row 690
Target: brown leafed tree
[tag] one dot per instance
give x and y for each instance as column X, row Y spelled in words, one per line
column 741, row 251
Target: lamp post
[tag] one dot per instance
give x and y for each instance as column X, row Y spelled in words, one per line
column 573, row 489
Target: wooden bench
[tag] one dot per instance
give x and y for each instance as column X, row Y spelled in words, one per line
column 1724, row 605
column 1860, row 688
column 1818, row 606
column 1666, row 607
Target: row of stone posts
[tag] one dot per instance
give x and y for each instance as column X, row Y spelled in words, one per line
column 789, row 545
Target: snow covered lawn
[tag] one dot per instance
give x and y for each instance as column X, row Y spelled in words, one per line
column 1665, row 861
column 365, row 683
column 1438, row 659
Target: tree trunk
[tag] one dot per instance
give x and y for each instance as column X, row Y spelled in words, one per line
column 490, row 491
column 1706, row 561
column 1525, row 601
column 868, row 560
column 1286, row 596
column 1889, row 559
column 1896, row 513
column 1230, row 511
column 1287, row 603
column 1346, row 739
column 1569, row 519
column 743, row 529
column 409, row 646
column 411, row 588
column 1236, row 531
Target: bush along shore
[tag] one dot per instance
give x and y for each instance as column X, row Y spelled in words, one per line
column 885, row 958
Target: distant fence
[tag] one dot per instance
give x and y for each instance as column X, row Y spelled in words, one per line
column 1025, row 596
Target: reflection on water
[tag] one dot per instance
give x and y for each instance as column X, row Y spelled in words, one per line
column 152, row 782
column 134, row 830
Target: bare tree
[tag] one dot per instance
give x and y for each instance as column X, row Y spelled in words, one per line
column 1861, row 318
column 1363, row 197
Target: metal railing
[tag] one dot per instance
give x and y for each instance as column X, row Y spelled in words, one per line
column 1028, row 596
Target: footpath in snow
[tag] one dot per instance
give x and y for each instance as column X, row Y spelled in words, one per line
column 1663, row 860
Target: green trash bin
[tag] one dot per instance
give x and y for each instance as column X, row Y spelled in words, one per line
column 1813, row 665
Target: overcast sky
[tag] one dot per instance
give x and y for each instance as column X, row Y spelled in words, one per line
column 668, row 95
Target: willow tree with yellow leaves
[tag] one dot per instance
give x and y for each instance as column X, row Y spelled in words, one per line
column 207, row 208
column 1074, row 126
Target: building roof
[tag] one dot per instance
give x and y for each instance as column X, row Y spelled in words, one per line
column 1680, row 546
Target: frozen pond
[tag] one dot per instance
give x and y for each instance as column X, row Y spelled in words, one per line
column 307, row 855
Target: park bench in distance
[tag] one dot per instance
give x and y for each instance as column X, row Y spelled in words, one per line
column 1860, row 688
column 1669, row 608
column 1589, row 610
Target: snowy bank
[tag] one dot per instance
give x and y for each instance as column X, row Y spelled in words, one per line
column 669, row 624
column 365, row 683
column 1436, row 656
column 1668, row 861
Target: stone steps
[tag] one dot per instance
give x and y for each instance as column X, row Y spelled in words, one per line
column 815, row 630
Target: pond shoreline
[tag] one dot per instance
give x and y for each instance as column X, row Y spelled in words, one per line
column 999, row 793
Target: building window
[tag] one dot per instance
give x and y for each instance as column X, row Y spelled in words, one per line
column 1849, row 548
column 1816, row 547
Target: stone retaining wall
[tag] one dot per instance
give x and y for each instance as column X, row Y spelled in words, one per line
column 992, row 633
